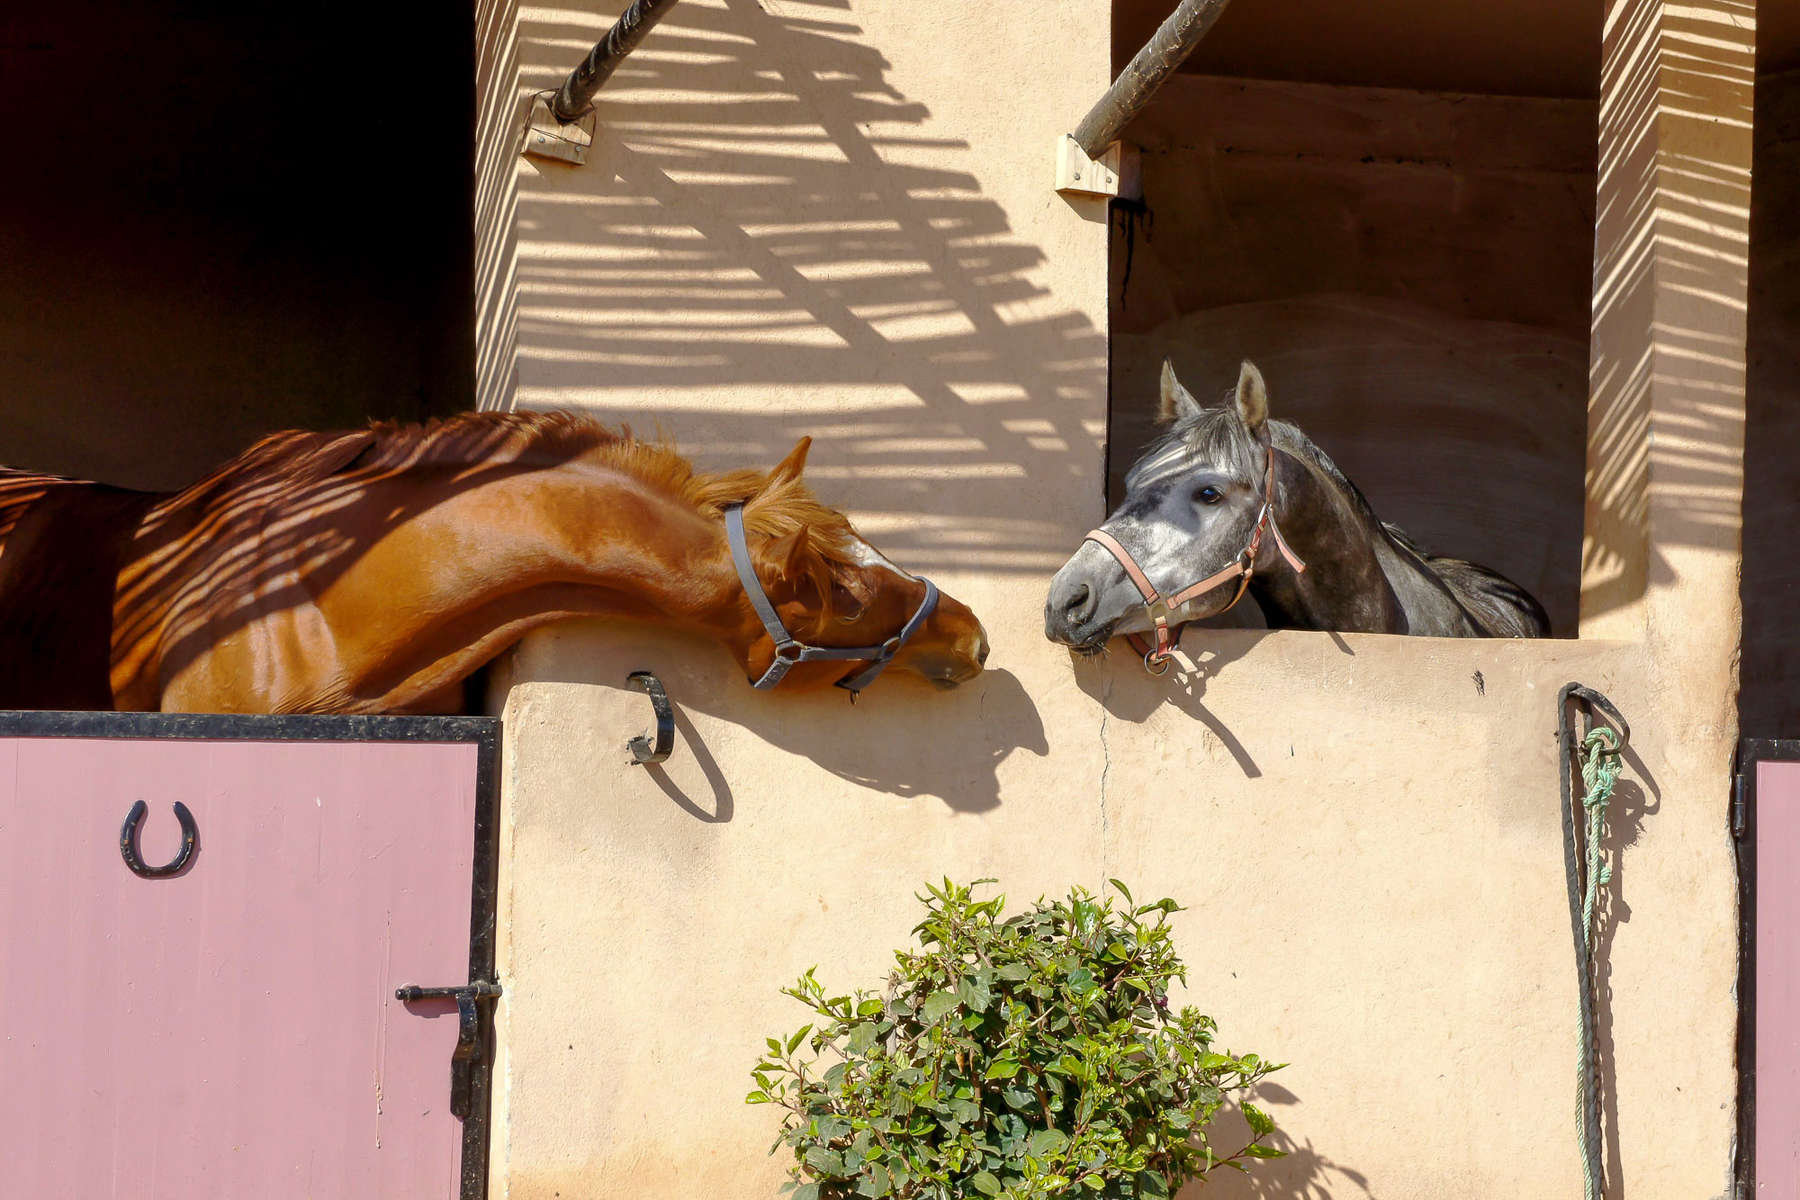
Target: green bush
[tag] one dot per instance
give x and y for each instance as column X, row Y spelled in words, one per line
column 1024, row 1057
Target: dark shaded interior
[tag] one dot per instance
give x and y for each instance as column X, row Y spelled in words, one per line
column 1390, row 208
column 1769, row 669
column 224, row 219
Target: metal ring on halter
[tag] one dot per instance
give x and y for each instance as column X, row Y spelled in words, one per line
column 1152, row 655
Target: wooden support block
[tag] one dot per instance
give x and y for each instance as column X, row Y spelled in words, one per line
column 1081, row 175
column 546, row 137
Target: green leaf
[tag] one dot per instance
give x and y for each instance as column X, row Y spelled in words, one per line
column 939, row 1003
column 861, row 1038
column 1046, row 1142
column 825, row 1162
column 806, row 1191
column 1260, row 1122
column 757, row 1097
column 1123, row 890
column 1152, row 1186
column 799, row 1033
column 1257, row 1150
column 1004, row 1068
column 875, row 1182
column 1019, row 1098
column 986, row 1182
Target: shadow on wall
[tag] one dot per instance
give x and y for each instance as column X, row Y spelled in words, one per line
column 1669, row 227
column 753, row 242
column 1304, row 1174
column 1631, row 804
column 954, row 746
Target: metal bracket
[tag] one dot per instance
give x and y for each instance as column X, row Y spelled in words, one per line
column 469, row 1042
column 641, row 749
column 547, row 137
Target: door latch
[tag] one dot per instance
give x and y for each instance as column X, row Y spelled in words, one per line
column 470, row 1044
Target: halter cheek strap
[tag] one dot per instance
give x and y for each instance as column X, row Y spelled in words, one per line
column 790, row 650
column 1242, row 567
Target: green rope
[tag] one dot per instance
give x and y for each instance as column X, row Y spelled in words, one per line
column 1600, row 763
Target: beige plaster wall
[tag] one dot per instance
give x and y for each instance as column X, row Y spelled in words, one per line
column 836, row 220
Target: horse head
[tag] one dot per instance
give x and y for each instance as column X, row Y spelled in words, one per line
column 830, row 589
column 1196, row 504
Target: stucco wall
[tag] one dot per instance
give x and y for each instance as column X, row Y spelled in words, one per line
column 836, row 220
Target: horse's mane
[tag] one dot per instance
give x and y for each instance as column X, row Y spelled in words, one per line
column 283, row 464
column 1219, row 435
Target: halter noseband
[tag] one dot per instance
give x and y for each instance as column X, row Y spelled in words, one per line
column 790, row 650
column 1242, row 566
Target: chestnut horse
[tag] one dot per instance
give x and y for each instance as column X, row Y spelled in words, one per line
column 373, row 571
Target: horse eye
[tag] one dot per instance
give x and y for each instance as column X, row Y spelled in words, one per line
column 1209, row 495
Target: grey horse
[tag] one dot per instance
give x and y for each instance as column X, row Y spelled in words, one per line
column 1197, row 506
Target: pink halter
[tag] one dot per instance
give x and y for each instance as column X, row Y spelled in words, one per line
column 1242, row 567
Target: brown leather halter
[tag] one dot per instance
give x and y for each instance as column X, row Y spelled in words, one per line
column 1243, row 566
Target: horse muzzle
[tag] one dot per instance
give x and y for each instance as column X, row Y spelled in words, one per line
column 1078, row 611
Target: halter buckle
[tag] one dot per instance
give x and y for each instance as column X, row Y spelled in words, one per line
column 790, row 652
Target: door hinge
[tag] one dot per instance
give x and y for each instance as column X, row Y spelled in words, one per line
column 1740, row 815
column 471, row 1047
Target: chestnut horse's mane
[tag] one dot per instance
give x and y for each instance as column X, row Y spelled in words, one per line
column 280, row 466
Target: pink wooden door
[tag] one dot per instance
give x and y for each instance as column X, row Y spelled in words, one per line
column 232, row 1031
column 1777, row 1006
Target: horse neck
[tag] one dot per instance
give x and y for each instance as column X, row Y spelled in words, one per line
column 421, row 577
column 580, row 539
column 1345, row 585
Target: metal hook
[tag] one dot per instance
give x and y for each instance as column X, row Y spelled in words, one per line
column 128, row 842
column 641, row 749
column 1595, row 701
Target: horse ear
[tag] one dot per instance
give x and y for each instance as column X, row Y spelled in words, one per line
column 1177, row 403
column 788, row 555
column 1252, row 397
column 788, row 469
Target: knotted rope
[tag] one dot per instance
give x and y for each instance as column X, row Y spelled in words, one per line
column 1601, row 754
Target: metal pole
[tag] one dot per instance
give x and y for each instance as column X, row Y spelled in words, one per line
column 576, row 95
column 1131, row 91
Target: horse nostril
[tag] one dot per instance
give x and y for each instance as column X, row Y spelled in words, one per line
column 981, row 655
column 1079, row 604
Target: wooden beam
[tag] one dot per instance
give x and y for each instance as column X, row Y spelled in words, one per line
column 576, row 95
column 1166, row 50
